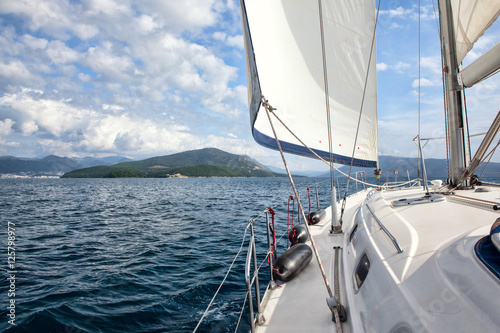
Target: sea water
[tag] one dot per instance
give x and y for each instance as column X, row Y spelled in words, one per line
column 134, row 255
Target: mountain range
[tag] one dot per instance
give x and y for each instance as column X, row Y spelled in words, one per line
column 435, row 168
column 51, row 165
column 207, row 162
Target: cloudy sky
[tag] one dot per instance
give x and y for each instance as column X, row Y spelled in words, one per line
column 146, row 78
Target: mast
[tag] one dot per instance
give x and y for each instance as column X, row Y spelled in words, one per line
column 456, row 117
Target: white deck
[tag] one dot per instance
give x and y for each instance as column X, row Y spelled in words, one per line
column 300, row 305
column 436, row 284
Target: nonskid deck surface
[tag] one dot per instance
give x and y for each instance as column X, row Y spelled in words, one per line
column 300, row 305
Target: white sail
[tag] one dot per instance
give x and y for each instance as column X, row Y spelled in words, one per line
column 285, row 65
column 471, row 18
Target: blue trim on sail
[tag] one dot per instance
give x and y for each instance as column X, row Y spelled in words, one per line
column 292, row 148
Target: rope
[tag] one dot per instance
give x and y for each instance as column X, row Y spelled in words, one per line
column 491, row 155
column 224, row 280
column 273, row 246
column 309, row 197
column 479, row 164
column 328, row 163
column 269, row 110
column 288, row 219
column 241, row 312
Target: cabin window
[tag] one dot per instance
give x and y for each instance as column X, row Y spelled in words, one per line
column 362, row 270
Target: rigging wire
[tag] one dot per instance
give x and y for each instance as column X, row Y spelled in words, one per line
column 328, row 120
column 491, row 155
column 360, row 110
column 419, row 86
column 269, row 109
column 328, row 163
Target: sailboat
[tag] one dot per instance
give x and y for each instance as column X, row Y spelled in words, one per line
column 419, row 258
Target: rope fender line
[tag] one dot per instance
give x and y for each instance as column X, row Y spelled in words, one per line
column 271, row 256
column 290, row 198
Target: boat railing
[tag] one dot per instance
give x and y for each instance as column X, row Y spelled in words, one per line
column 396, row 173
column 256, row 302
column 362, row 177
column 381, row 225
column 252, row 269
column 253, row 279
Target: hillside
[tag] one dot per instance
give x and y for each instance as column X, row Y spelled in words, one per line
column 436, row 168
column 207, row 162
column 51, row 165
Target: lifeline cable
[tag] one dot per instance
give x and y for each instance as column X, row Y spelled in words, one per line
column 223, row 280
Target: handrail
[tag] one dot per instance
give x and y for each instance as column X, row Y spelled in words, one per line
column 393, row 240
column 252, row 255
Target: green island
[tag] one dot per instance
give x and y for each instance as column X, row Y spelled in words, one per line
column 207, row 162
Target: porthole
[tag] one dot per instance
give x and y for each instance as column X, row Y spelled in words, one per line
column 361, row 271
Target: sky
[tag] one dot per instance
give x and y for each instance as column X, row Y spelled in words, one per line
column 147, row 78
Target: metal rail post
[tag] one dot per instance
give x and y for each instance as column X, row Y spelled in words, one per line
column 270, row 250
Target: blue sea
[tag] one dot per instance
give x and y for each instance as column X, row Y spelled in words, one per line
column 133, row 255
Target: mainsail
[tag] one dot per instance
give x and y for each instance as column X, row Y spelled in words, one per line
column 285, row 65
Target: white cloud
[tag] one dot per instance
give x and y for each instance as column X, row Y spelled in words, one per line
column 60, row 54
column 425, row 83
column 398, row 12
column 15, row 73
column 34, row 42
column 433, row 64
column 100, row 73
column 219, row 35
column 399, row 67
column 236, row 41
column 6, row 127
column 82, row 129
column 382, row 66
column 146, row 24
column 103, row 61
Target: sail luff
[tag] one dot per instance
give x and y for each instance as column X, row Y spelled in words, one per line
column 253, row 84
